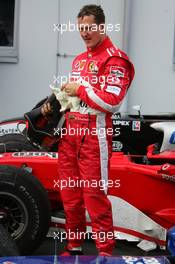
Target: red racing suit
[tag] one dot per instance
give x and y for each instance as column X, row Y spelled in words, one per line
column 104, row 74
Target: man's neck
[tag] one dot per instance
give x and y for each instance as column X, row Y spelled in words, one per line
column 99, row 43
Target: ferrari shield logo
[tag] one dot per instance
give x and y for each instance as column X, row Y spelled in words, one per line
column 92, row 67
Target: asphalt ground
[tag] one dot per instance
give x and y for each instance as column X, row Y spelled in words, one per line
column 122, row 248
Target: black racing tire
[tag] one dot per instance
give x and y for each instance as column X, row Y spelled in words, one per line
column 15, row 142
column 24, row 207
column 7, row 244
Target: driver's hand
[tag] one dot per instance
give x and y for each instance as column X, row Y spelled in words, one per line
column 46, row 109
column 70, row 88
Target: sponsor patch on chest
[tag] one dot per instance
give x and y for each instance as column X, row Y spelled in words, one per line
column 74, row 73
column 113, row 89
column 117, row 71
column 116, row 75
column 79, row 66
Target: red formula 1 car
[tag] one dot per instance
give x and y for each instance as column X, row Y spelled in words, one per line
column 141, row 192
column 142, row 196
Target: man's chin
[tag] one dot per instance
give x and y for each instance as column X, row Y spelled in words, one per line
column 90, row 45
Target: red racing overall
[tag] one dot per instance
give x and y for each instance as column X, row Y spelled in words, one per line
column 105, row 74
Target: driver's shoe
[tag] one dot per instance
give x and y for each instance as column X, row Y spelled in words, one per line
column 71, row 252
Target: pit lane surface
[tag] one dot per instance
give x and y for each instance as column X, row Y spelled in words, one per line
column 121, row 248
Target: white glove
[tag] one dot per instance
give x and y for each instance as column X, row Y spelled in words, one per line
column 66, row 102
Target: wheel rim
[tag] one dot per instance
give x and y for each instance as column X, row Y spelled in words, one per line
column 13, row 214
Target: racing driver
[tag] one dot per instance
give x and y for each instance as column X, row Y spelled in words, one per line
column 101, row 77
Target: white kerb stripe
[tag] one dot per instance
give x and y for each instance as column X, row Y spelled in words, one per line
column 100, row 102
column 103, row 145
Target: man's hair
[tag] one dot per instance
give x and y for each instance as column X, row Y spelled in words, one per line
column 94, row 10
